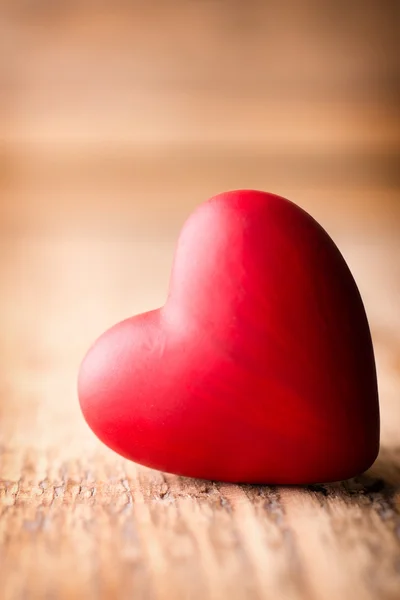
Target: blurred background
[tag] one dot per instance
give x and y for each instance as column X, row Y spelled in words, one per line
column 118, row 117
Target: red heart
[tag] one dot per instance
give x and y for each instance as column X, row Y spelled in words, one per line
column 260, row 366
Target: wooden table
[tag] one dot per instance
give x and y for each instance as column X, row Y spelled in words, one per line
column 112, row 129
column 77, row 521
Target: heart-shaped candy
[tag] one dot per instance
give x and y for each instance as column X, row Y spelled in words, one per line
column 260, row 366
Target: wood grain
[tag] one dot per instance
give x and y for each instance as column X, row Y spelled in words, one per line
column 112, row 128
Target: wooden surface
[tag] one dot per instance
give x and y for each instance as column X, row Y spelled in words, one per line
column 76, row 521
column 112, row 129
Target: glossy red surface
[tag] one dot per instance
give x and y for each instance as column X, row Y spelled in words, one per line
column 260, row 366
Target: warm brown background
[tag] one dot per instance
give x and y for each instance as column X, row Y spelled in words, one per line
column 116, row 119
